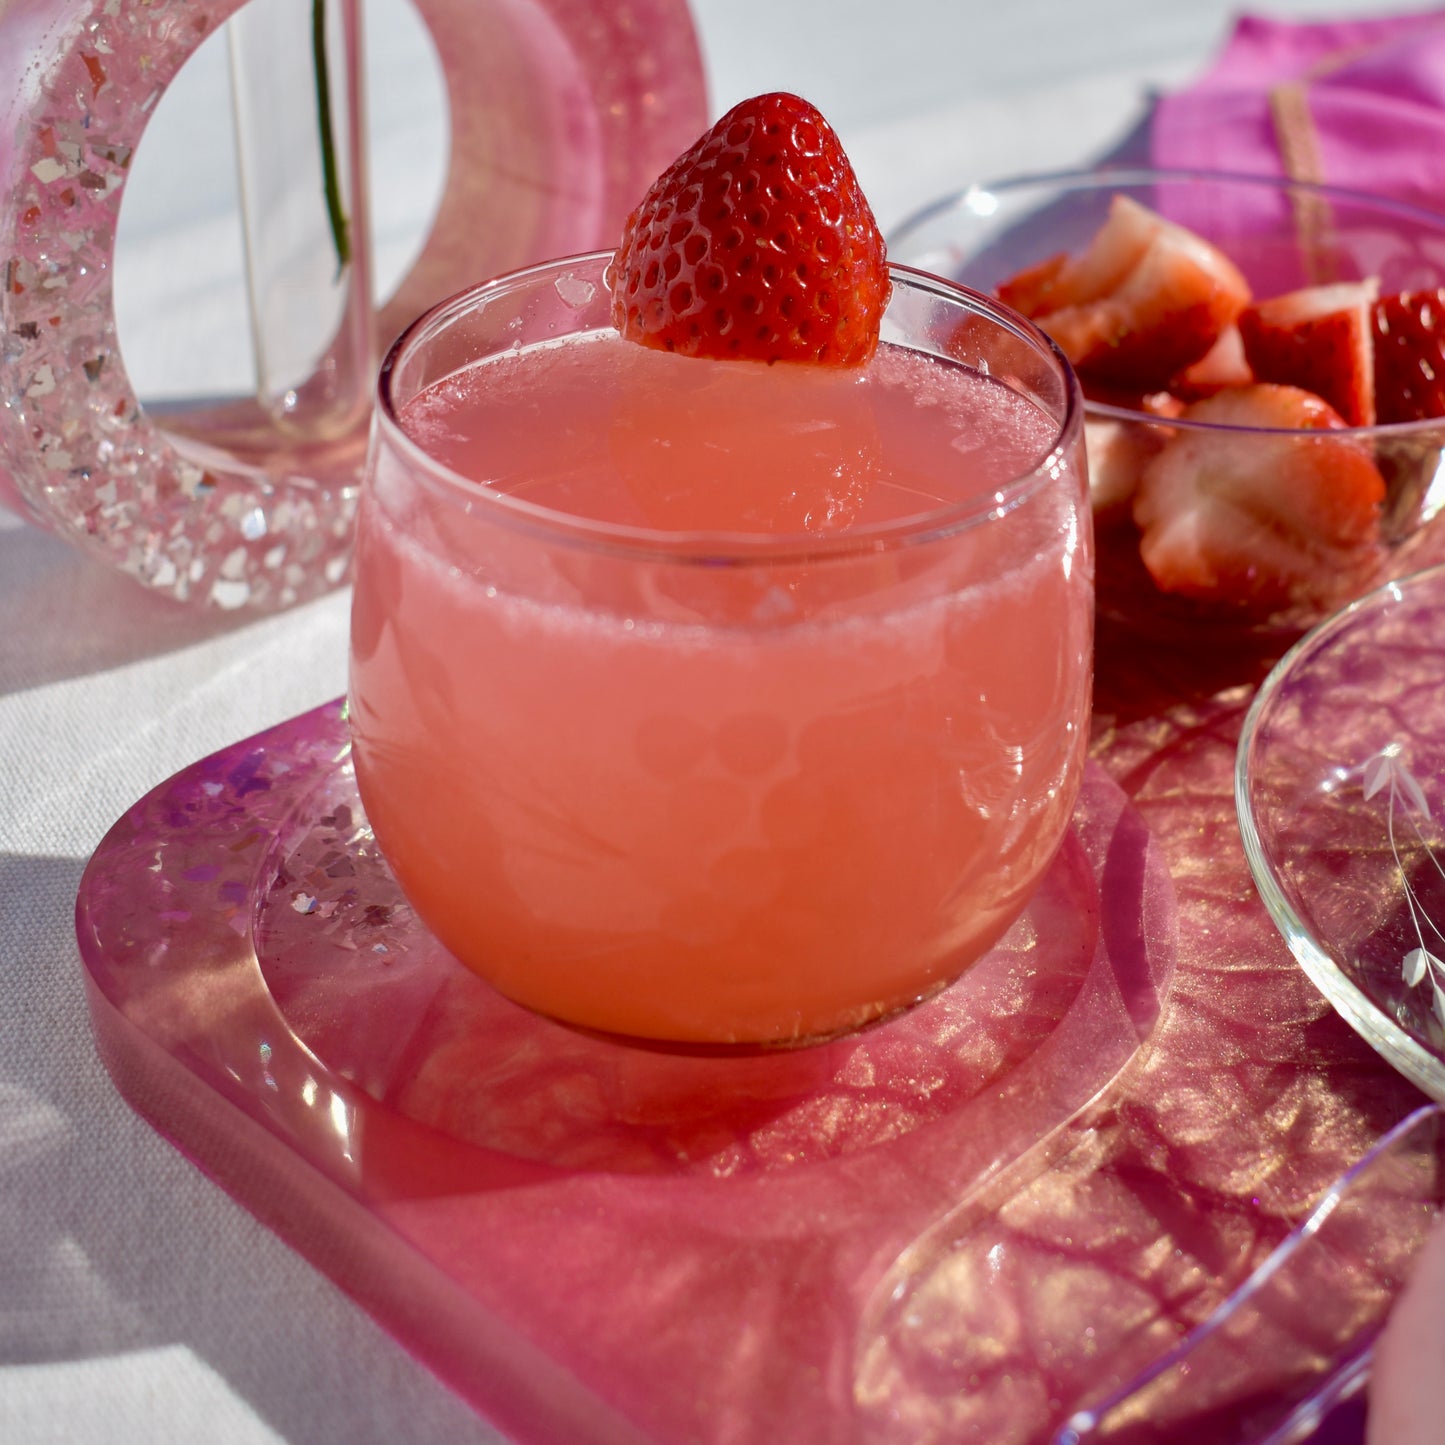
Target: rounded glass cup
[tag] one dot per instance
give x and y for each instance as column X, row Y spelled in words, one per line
column 718, row 787
column 1282, row 235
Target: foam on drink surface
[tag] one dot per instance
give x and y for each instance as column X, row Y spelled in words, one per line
column 618, row 433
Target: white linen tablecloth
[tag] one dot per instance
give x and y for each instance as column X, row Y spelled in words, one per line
column 137, row 1301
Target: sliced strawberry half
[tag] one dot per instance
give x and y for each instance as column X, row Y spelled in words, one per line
column 1409, row 333
column 756, row 243
column 1260, row 521
column 1224, row 364
column 1319, row 338
column 1117, row 448
column 1117, row 451
column 1144, row 300
column 1153, row 403
column 1031, row 290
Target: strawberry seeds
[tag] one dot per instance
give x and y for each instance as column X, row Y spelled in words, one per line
column 756, row 244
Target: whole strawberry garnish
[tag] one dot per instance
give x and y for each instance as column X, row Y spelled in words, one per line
column 758, row 244
column 1410, row 356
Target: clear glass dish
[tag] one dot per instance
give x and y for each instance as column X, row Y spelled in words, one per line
column 1340, row 790
column 1282, row 236
column 1401, row 1179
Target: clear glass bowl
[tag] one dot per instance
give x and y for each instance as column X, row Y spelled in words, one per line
column 1282, row 236
column 1340, row 789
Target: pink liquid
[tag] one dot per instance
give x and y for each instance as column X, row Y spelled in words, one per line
column 719, row 803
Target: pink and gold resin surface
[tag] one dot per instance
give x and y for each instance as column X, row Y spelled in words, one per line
column 1028, row 1211
column 522, row 1203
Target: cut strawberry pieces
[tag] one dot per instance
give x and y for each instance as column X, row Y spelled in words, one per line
column 1245, row 497
column 1409, row 339
column 1262, row 521
column 1319, row 338
column 757, row 244
column 1143, row 301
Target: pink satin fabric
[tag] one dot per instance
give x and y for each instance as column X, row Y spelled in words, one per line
column 1354, row 103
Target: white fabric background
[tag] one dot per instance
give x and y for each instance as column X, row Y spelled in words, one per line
column 137, row 1302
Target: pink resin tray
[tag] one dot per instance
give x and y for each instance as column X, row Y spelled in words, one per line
column 932, row 1229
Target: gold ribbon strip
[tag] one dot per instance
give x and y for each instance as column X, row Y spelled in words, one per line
column 1298, row 139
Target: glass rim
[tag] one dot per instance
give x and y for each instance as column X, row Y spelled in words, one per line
column 1113, row 177
column 718, row 548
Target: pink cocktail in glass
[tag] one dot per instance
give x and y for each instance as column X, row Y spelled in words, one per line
column 719, row 702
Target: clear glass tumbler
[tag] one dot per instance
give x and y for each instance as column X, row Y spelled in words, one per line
column 665, row 751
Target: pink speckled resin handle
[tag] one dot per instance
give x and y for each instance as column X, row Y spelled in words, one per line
column 561, row 112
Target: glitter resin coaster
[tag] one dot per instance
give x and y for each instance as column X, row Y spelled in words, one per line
column 522, row 1204
column 561, row 113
